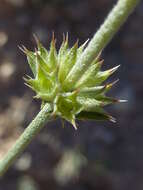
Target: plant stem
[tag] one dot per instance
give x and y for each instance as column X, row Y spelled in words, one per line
column 30, row 132
column 115, row 19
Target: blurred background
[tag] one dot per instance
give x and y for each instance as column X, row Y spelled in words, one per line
column 99, row 155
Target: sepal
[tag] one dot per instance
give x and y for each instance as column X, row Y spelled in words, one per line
column 84, row 115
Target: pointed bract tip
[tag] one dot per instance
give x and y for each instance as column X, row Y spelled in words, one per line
column 25, row 79
column 101, row 62
column 119, row 101
column 63, row 37
column 76, row 44
column 114, row 69
column 112, row 119
column 36, row 96
column 29, row 77
column 36, row 51
column 53, row 42
column 37, row 56
column 84, row 44
column 108, row 86
column 122, row 101
column 98, row 56
column 23, row 49
column 104, row 87
column 36, row 39
column 74, row 124
column 53, row 35
column 29, row 86
column 67, row 37
column 113, row 83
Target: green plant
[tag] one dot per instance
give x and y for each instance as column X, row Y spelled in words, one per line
column 85, row 98
column 70, row 82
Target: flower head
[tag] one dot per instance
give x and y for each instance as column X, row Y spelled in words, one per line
column 85, row 99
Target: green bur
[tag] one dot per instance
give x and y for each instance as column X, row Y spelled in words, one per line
column 85, row 99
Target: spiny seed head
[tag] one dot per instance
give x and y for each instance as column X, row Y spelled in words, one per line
column 50, row 69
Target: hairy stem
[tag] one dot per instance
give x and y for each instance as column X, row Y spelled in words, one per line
column 115, row 19
column 27, row 136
